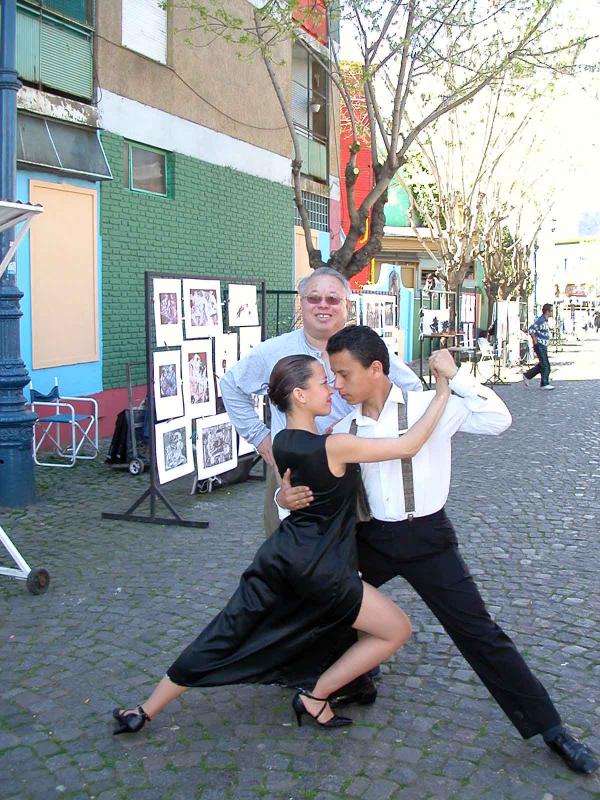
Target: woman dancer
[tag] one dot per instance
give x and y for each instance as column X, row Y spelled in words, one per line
column 303, row 583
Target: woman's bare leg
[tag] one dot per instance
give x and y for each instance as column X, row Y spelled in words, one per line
column 165, row 692
column 384, row 628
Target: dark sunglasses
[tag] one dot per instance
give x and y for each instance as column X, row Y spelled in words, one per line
column 330, row 299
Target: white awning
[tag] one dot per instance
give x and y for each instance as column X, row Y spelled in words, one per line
column 13, row 213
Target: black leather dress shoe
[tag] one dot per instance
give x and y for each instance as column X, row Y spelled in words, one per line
column 574, row 753
column 361, row 690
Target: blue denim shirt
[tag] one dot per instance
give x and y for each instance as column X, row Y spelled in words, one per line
column 541, row 330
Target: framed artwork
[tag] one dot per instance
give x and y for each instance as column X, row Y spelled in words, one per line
column 174, row 454
column 202, row 308
column 226, row 355
column 249, row 338
column 168, row 397
column 167, row 311
column 435, row 320
column 468, row 317
column 198, row 378
column 353, row 310
column 242, row 305
column 216, row 450
column 373, row 312
column 244, row 446
column 389, row 313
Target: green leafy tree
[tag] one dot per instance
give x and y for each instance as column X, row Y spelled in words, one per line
column 419, row 61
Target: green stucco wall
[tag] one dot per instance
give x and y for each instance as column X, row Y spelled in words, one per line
column 216, row 221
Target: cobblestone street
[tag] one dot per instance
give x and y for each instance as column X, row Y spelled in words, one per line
column 126, row 597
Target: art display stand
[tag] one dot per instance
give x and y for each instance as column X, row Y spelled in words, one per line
column 429, row 303
column 155, row 497
column 500, row 347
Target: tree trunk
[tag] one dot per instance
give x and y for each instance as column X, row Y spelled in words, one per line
column 491, row 298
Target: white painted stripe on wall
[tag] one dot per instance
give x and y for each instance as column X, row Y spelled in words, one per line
column 334, row 187
column 157, row 128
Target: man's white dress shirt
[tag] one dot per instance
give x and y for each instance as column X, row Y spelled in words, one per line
column 472, row 408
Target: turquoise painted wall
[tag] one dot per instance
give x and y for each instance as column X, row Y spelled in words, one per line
column 397, row 206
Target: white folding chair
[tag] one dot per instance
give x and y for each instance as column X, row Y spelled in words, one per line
column 63, row 432
column 486, row 362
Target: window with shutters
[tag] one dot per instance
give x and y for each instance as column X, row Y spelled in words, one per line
column 310, row 111
column 144, row 28
column 54, row 45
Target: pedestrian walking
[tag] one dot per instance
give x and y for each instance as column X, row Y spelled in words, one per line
column 409, row 534
column 303, row 583
column 540, row 335
column 324, row 304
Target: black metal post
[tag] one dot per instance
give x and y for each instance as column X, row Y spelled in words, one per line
column 17, row 486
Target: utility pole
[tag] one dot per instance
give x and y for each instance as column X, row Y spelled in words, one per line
column 17, row 486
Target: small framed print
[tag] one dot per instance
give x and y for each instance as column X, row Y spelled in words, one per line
column 244, row 446
column 216, row 450
column 249, row 339
column 168, row 397
column 167, row 311
column 389, row 313
column 373, row 312
column 198, row 378
column 242, row 306
column 434, row 321
column 202, row 308
column 174, row 453
column 353, row 310
column 226, row 355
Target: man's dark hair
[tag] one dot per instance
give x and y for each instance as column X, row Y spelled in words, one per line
column 546, row 307
column 363, row 343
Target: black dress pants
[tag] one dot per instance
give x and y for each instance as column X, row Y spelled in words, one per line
column 424, row 551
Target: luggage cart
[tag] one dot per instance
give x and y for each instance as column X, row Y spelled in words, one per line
column 136, row 461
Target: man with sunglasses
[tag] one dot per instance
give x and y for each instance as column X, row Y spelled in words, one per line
column 324, row 304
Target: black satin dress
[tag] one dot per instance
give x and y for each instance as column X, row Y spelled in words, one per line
column 302, row 586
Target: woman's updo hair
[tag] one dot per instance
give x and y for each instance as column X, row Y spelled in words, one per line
column 288, row 374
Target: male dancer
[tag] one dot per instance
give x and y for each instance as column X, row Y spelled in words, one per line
column 410, row 535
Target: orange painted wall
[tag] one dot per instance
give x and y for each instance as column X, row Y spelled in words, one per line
column 310, row 14
column 363, row 186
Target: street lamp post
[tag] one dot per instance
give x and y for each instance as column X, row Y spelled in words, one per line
column 17, row 487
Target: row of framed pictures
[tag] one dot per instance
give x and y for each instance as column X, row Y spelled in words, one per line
column 214, row 441
column 378, row 311
column 194, row 305
column 187, row 378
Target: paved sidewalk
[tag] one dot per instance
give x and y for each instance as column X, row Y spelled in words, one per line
column 125, row 598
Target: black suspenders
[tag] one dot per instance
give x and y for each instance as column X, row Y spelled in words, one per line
column 364, row 513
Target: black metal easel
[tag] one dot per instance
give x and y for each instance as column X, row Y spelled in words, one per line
column 153, row 492
column 496, row 377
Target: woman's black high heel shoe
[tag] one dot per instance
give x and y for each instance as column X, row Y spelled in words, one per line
column 300, row 709
column 130, row 721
